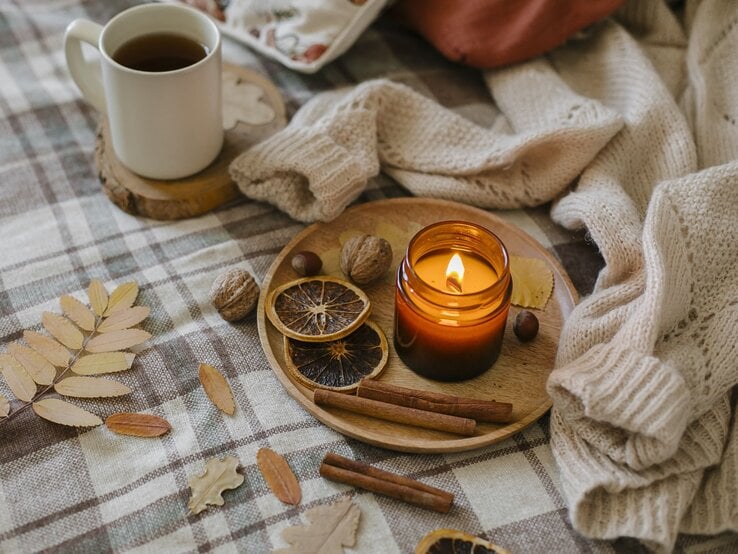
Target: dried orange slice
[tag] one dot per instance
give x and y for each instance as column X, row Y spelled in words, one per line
column 451, row 541
column 532, row 282
column 338, row 365
column 318, row 309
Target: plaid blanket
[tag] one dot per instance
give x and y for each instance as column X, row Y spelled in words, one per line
column 92, row 491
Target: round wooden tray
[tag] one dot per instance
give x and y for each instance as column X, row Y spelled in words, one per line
column 519, row 376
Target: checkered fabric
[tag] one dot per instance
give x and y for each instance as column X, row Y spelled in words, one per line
column 92, row 491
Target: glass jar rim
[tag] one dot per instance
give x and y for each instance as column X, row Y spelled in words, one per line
column 502, row 273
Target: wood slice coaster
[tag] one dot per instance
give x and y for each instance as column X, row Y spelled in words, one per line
column 212, row 187
column 519, row 376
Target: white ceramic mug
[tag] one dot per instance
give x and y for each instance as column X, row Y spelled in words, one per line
column 163, row 125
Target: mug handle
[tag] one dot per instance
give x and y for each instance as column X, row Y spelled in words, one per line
column 87, row 75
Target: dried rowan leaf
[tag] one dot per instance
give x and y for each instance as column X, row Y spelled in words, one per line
column 90, row 387
column 17, row 378
column 279, row 476
column 38, row 367
column 117, row 340
column 98, row 297
column 129, row 356
column 138, row 425
column 48, row 348
column 96, row 364
column 207, row 488
column 4, row 406
column 77, row 312
column 62, row 330
column 532, row 282
column 121, row 298
column 123, row 319
column 332, row 526
column 217, row 388
column 64, row 413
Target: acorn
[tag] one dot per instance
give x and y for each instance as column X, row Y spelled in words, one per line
column 306, row 263
column 525, row 326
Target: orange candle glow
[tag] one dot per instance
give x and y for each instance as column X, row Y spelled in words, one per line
column 451, row 302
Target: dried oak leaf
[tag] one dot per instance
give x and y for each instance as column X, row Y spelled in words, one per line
column 138, row 425
column 207, row 488
column 64, row 413
column 217, row 388
column 331, row 527
column 279, row 476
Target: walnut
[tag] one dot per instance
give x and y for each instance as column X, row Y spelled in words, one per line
column 234, row 294
column 365, row 258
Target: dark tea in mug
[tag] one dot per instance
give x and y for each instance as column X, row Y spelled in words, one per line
column 157, row 52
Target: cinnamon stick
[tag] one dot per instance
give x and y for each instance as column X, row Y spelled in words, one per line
column 392, row 412
column 357, row 474
column 481, row 410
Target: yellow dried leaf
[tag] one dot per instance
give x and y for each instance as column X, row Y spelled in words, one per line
column 279, row 476
column 96, row 364
column 532, row 282
column 138, row 425
column 17, row 378
column 90, row 387
column 77, row 312
column 48, row 348
column 123, row 319
column 347, row 235
column 4, row 406
column 38, row 367
column 332, row 262
column 62, row 330
column 332, row 526
column 207, row 488
column 64, row 413
column 217, row 388
column 117, row 340
column 121, row 298
column 398, row 238
column 98, row 297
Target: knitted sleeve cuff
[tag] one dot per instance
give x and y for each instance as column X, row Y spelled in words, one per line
column 628, row 404
column 303, row 172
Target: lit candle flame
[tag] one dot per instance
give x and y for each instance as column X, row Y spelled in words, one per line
column 455, row 273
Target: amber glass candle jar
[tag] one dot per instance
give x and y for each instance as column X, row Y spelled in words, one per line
column 451, row 301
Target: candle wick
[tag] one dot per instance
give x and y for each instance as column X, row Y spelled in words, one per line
column 453, row 283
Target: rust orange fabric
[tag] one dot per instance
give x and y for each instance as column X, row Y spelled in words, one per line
column 491, row 33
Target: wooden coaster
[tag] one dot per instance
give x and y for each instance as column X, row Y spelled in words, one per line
column 208, row 189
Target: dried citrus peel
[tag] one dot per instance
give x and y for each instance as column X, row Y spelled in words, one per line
column 341, row 364
column 532, row 282
column 452, row 541
column 317, row 309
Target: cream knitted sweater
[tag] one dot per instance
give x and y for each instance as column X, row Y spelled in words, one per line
column 645, row 111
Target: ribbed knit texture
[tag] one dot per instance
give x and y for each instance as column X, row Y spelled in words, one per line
column 644, row 111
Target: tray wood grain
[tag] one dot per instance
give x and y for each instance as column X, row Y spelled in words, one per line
column 519, row 376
